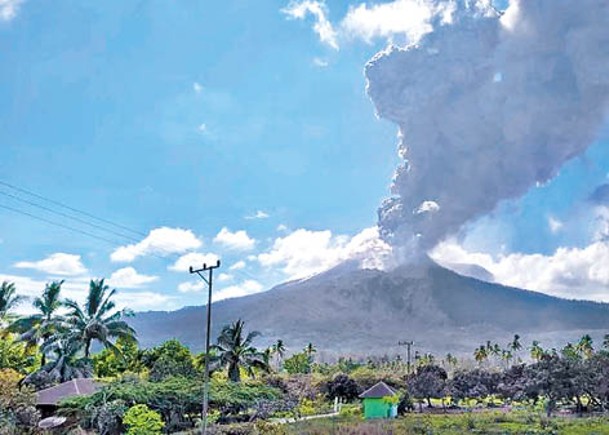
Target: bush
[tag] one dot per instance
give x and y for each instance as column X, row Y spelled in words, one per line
column 17, row 411
column 141, row 420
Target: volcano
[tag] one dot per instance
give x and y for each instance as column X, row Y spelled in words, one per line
column 352, row 311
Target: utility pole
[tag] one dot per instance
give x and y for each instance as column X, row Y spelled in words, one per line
column 208, row 280
column 408, row 345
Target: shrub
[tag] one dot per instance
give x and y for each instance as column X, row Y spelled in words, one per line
column 141, row 420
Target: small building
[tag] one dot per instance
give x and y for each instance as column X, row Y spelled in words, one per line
column 380, row 401
column 48, row 399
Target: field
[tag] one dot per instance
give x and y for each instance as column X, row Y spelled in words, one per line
column 453, row 424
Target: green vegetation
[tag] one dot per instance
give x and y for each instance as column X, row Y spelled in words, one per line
column 273, row 390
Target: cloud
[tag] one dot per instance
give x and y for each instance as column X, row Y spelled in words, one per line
column 258, row 215
column 575, row 273
column 160, row 241
column 225, row 277
column 238, row 240
column 238, row 265
column 488, row 106
column 197, row 87
column 322, row 26
column 322, row 63
column 554, row 224
column 140, row 301
column 9, row 9
column 244, row 288
column 128, row 277
column 191, row 286
column 194, row 259
column 408, row 18
column 56, row 264
column 303, row 252
column 282, row 228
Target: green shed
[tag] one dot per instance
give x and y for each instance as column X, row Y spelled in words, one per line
column 380, row 401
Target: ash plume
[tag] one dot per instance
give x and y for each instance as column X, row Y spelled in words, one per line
column 487, row 106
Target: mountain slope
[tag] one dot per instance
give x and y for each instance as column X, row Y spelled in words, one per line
column 347, row 310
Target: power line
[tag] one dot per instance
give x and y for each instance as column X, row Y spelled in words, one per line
column 57, row 224
column 50, row 210
column 75, row 210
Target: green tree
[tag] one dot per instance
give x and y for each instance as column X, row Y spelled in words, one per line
column 65, row 362
column 109, row 363
column 8, row 301
column 16, row 356
column 141, row 420
column 584, row 346
column 481, row 354
column 235, row 351
column 169, row 359
column 40, row 327
column 98, row 320
column 299, row 363
column 537, row 351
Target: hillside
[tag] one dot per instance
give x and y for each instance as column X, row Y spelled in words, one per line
column 347, row 310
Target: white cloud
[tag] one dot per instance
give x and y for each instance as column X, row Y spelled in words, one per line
column 245, row 288
column 225, row 277
column 128, row 277
column 140, row 301
column 194, row 259
column 9, row 9
column 160, row 241
column 197, row 87
column 322, row 26
column 427, row 207
column 56, row 264
column 408, row 18
column 202, row 128
column 554, row 224
column 191, row 286
column 577, row 273
column 258, row 215
column 238, row 240
column 238, row 265
column 304, row 252
column 322, row 63
column 282, row 228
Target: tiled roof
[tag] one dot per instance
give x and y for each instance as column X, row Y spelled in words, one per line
column 73, row 388
column 377, row 391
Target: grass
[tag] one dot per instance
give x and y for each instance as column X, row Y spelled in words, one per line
column 453, row 424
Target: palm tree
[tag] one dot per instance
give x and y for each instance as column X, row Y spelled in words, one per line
column 584, row 347
column 279, row 350
column 537, row 352
column 236, row 352
column 67, row 363
column 97, row 320
column 8, row 299
column 310, row 349
column 606, row 342
column 38, row 328
column 480, row 354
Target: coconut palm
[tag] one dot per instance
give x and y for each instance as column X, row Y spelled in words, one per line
column 515, row 345
column 310, row 349
column 97, row 320
column 38, row 328
column 8, row 300
column 279, row 351
column 481, row 354
column 537, row 352
column 235, row 351
column 584, row 346
column 67, row 362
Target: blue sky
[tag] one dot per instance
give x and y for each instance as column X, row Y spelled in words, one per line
column 204, row 116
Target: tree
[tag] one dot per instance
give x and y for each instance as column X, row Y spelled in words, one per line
column 97, row 320
column 16, row 356
column 606, row 342
column 169, row 359
column 279, row 350
column 481, row 354
column 18, row 413
column 299, row 363
column 341, row 386
column 108, row 363
column 8, row 300
column 537, row 351
column 66, row 362
column 38, row 328
column 310, row 349
column 236, row 352
column 584, row 346
column 428, row 382
column 141, row 420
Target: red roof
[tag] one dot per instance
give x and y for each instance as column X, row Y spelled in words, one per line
column 73, row 388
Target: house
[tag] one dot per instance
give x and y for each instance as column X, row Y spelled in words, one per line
column 380, row 401
column 48, row 399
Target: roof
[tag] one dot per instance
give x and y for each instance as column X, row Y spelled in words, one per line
column 378, row 391
column 73, row 388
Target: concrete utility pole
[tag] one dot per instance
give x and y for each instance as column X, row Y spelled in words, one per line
column 208, row 280
column 408, row 345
